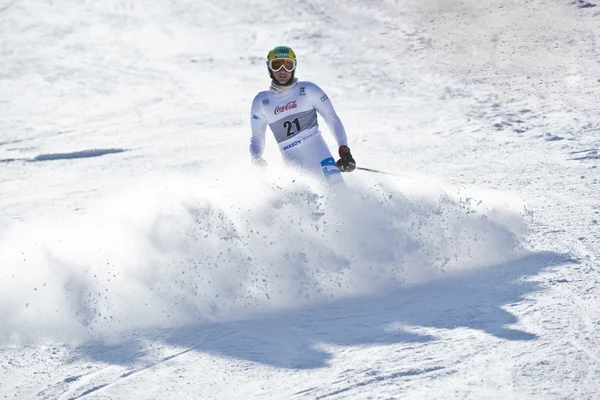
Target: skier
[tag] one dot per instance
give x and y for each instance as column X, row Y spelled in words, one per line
column 290, row 109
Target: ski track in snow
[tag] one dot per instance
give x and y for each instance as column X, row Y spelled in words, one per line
column 476, row 272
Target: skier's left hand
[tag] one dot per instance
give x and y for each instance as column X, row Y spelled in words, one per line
column 346, row 163
column 259, row 162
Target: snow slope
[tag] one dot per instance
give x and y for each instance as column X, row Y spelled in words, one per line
column 141, row 256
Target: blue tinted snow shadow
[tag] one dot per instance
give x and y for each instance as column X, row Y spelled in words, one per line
column 590, row 154
column 66, row 156
column 76, row 154
column 291, row 338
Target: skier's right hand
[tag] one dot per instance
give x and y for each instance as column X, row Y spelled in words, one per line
column 259, row 162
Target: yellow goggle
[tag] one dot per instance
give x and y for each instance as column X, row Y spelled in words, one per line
column 286, row 63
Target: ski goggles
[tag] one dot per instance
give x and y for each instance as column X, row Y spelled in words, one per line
column 286, row 63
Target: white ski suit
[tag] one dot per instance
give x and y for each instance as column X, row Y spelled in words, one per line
column 291, row 113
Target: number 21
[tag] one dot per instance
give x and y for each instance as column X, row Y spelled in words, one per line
column 288, row 125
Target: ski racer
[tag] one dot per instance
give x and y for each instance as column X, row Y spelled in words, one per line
column 290, row 110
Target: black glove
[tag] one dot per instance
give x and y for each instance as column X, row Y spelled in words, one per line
column 346, row 163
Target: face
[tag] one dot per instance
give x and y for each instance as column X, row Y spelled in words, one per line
column 278, row 67
column 282, row 76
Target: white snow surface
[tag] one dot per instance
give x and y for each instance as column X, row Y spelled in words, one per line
column 142, row 256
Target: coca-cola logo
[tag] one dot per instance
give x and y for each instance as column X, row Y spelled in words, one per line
column 287, row 107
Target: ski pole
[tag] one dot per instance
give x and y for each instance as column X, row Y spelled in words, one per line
column 376, row 171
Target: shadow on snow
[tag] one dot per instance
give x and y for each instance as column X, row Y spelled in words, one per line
column 290, row 338
column 76, row 154
column 66, row 156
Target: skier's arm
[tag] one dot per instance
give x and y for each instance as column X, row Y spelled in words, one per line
column 258, row 122
column 322, row 104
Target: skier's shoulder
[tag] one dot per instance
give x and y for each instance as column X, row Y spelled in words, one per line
column 261, row 97
column 313, row 89
column 309, row 85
